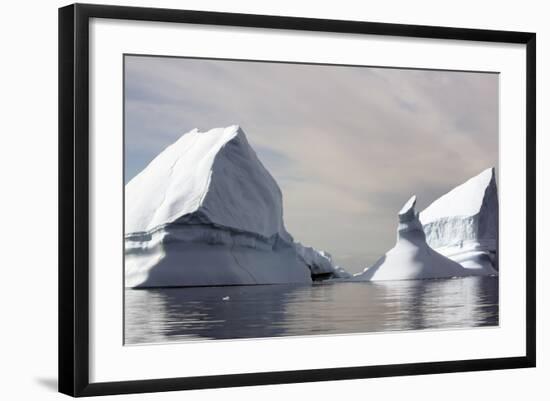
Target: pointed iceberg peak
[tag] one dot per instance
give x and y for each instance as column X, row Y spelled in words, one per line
column 222, row 133
column 409, row 227
column 229, row 131
column 198, row 173
column 233, row 128
column 407, row 212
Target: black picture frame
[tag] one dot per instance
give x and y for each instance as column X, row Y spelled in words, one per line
column 74, row 200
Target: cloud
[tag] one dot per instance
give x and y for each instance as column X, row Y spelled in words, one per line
column 347, row 145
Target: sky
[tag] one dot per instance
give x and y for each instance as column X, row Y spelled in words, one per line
column 347, row 145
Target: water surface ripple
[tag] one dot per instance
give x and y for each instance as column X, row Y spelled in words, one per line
column 184, row 314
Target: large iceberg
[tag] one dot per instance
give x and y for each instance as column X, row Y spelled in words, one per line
column 463, row 224
column 411, row 257
column 207, row 212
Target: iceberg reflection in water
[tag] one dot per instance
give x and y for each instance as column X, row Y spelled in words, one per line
column 184, row 314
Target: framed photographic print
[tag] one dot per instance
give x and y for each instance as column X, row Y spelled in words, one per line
column 251, row 199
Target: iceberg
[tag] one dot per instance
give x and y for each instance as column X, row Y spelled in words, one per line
column 320, row 263
column 411, row 257
column 206, row 212
column 463, row 224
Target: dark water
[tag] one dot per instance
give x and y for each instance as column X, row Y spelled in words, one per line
column 183, row 314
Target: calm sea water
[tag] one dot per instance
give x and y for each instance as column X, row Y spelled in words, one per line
column 184, row 314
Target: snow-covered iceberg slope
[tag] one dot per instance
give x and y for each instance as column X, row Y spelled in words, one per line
column 206, row 212
column 411, row 257
column 463, row 224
